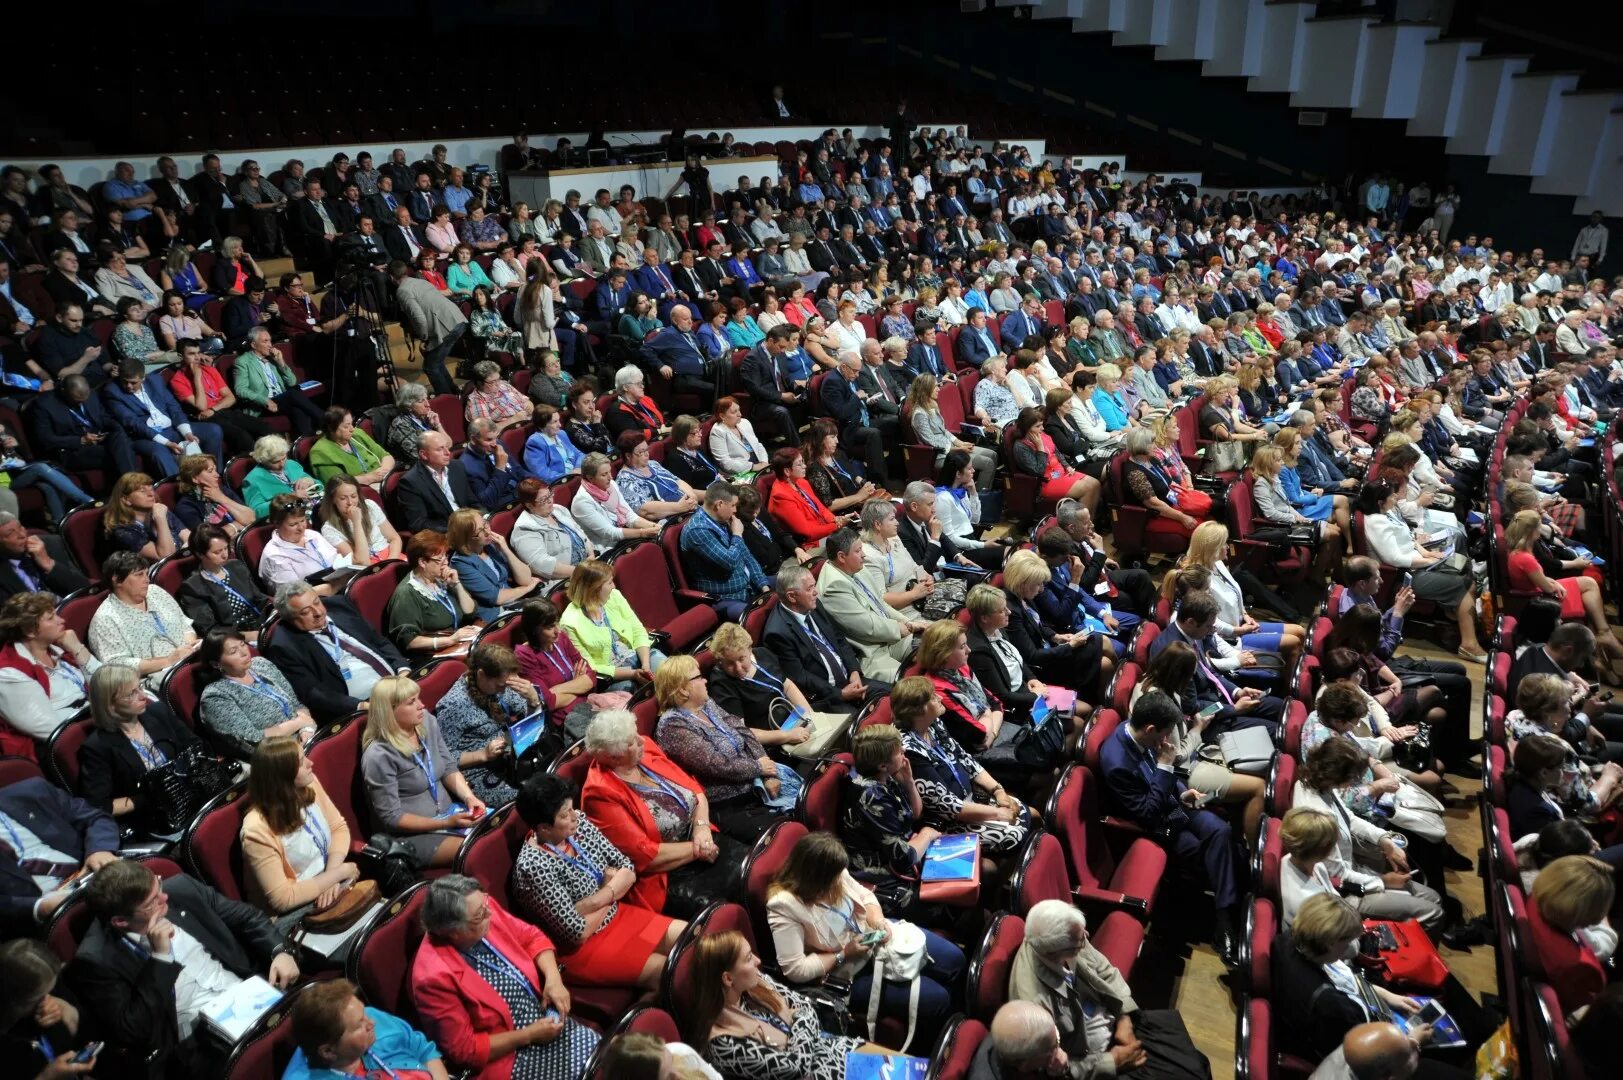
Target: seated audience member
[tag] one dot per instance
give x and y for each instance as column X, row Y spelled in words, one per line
column 350, row 519
column 276, row 473
column 151, row 416
column 1544, row 707
column 1195, row 624
column 604, row 629
column 1148, row 487
column 1436, row 576
column 881, row 817
column 573, row 883
column 1387, row 886
column 1568, row 650
column 492, row 473
column 416, row 418
column 765, row 537
column 485, row 565
column 491, row 397
column 30, row 562
column 1081, row 660
column 1138, row 773
column 413, row 781
column 1579, row 596
column 1308, row 838
column 266, row 386
column 888, row 569
column 649, row 489
column 551, row 663
column 329, row 651
column 41, row 1028
column 295, row 843
column 1200, row 761
column 715, row 555
column 1034, row 455
column 204, row 500
column 631, row 409
column 159, row 952
column 294, row 553
column 345, row 449
column 749, row 681
column 650, row 809
column 753, row 1027
column 334, row 1034
column 745, row 788
column 545, row 535
column 814, row 652
column 489, row 991
column 881, row 635
column 1573, row 892
column 686, row 458
column 793, row 503
column 435, row 487
column 1102, row 1029
column 835, row 479
column 819, row 913
column 549, row 453
column 601, row 508
column 584, row 424
column 57, row 836
column 431, row 609
column 923, row 411
column 734, row 446
column 135, row 521
column 44, row 669
column 924, row 534
column 246, row 698
column 1229, row 586
column 138, row 623
column 474, row 716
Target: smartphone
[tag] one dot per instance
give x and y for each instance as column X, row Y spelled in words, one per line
column 90, row 1051
column 1408, row 580
column 1209, row 711
column 1430, row 1013
column 872, row 937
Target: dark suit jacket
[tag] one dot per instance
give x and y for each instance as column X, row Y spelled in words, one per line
column 130, row 414
column 208, row 605
column 132, row 996
column 770, row 550
column 690, row 285
column 1139, row 790
column 803, row 660
column 988, row 668
column 873, row 381
column 63, row 578
column 109, row 767
column 1312, row 1016
column 422, row 503
column 971, row 349
column 396, row 244
column 382, row 214
column 306, row 223
column 310, row 667
column 70, row 825
column 927, row 552
column 841, row 401
column 760, row 372
column 1535, row 661
column 57, row 428
column 919, row 356
column 1201, row 691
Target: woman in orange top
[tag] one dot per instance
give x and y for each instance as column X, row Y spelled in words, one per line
column 795, row 504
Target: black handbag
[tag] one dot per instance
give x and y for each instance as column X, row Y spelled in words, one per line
column 1414, row 754
column 171, row 794
column 388, row 860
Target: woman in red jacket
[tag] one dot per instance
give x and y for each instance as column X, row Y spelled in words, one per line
column 795, row 505
column 657, row 815
column 488, row 990
column 1571, row 893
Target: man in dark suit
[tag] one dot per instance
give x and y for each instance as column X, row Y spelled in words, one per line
column 161, row 950
column 46, row 835
column 654, row 279
column 1239, row 707
column 977, row 342
column 815, row 655
column 434, row 488
column 404, row 240
column 1571, row 646
column 1019, row 325
column 675, row 353
column 921, row 535
column 211, row 190
column 777, row 401
column 924, row 355
column 30, row 563
column 314, row 225
column 690, row 286
column 1137, row 761
column 72, row 427
column 610, row 297
column 329, row 651
column 858, row 434
column 384, row 202
column 820, row 252
column 421, row 199
column 136, row 401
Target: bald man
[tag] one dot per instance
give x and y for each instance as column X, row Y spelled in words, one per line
column 1024, row 1043
column 1378, row 1051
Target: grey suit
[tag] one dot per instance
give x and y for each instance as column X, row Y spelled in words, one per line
column 436, row 322
column 872, row 626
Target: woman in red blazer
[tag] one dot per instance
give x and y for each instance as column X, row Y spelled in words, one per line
column 794, row 504
column 1571, row 893
column 488, row 990
column 652, row 810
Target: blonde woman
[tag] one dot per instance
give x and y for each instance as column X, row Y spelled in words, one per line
column 605, row 630
column 415, row 788
column 1207, row 548
column 1272, row 503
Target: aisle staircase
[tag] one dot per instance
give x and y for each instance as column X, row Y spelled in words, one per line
column 1536, row 124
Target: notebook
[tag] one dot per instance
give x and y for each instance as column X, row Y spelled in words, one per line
column 951, row 858
column 232, row 1013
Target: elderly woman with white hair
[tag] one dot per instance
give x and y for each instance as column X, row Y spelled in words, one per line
column 632, row 409
column 657, row 814
column 273, row 474
column 888, row 569
column 1101, row 1028
column 417, row 417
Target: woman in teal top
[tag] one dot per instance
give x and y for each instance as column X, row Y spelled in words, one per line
column 330, row 1031
column 640, row 318
column 463, row 275
column 346, row 450
column 1108, row 400
column 741, row 327
column 273, row 474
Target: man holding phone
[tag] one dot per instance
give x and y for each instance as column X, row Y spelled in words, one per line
column 1238, row 707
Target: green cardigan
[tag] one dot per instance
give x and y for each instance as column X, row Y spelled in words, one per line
column 328, row 459
column 410, row 614
column 249, row 380
column 261, row 486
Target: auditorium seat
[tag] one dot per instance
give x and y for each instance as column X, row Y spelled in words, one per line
column 381, row 955
column 987, row 987
column 643, row 576
column 819, row 805
column 1109, row 869
column 211, row 847
column 955, row 1051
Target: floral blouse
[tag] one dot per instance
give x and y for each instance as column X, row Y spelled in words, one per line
column 134, row 341
column 466, row 727
column 658, row 485
column 718, row 748
column 120, row 633
column 997, row 400
column 1576, row 791
column 506, row 402
column 546, row 885
column 876, row 823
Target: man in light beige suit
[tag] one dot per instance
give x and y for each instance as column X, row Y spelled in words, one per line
column 881, row 635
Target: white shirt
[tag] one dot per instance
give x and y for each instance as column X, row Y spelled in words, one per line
column 202, row 978
column 442, row 477
column 29, row 708
column 375, row 540
column 283, row 562
column 32, row 848
column 299, row 846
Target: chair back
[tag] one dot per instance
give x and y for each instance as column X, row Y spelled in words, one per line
column 955, row 1053
column 819, row 804
column 14, row 769
column 449, row 409
column 489, row 852
column 371, row 589
column 168, row 574
column 381, row 957
column 435, row 679
column 212, row 847
column 336, row 759
column 765, row 859
column 265, row 1049
column 572, row 764
column 675, row 988
column 81, row 532
column 988, row 985
column 1257, row 948
column 62, row 751
column 251, row 548
column 182, row 690
column 643, row 576
column 1042, row 874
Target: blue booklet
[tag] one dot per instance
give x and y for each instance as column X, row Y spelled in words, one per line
column 1586, row 442
column 1445, row 1031
column 885, row 1067
column 1095, row 625
column 951, row 858
column 524, row 733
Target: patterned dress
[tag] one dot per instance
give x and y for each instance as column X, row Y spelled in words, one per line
column 809, row 1054
column 944, row 773
column 565, row 1057
column 467, row 727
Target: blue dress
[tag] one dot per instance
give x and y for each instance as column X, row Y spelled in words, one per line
column 1315, row 507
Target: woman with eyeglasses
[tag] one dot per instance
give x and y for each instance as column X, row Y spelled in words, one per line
column 134, row 734
column 430, row 609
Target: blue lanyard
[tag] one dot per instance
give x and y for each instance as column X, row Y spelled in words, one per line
column 375, row 1060
column 82, row 417
column 43, row 1045
column 580, row 860
column 769, row 681
column 316, row 551
column 663, row 489
column 890, row 565
column 849, row 917
column 556, row 657
column 425, row 762
column 223, row 583
column 868, row 592
column 660, row 784
column 444, row 600
column 711, row 465
column 16, row 837
column 502, row 963
column 153, row 757
column 811, row 504
column 834, row 463
column 263, row 688
column 337, row 653
column 940, row 755
column 733, row 740
column 71, row 672
column 320, row 837
column 353, row 451
column 772, row 1018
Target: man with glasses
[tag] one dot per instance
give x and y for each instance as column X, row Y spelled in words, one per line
column 329, row 651
column 160, row 953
